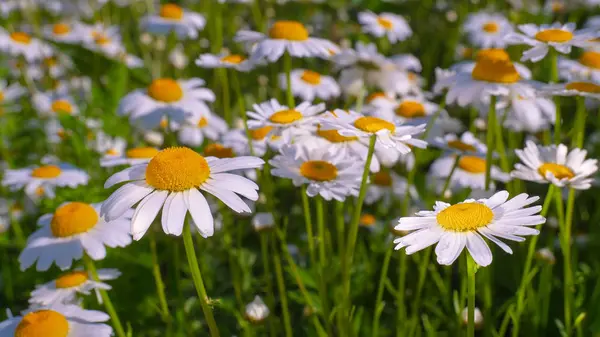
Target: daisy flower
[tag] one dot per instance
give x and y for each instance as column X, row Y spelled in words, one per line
column 263, row 221
column 388, row 134
column 290, row 36
column 63, row 32
column 466, row 144
column 226, row 60
column 493, row 54
column 173, row 18
column 21, row 44
column 65, row 288
column 454, row 227
column 379, row 101
column 107, row 145
column 9, row 96
column 237, row 140
column 177, row 100
column 57, row 320
column 74, row 228
column 586, row 68
column 393, row 26
column 284, row 121
column 308, row 85
column 210, row 126
column 50, row 104
column 409, row 109
column 171, row 182
column 133, row 156
column 42, row 180
column 487, row 30
column 469, row 172
column 55, row 65
column 583, row 88
column 531, row 114
column 540, row 38
column 556, row 165
column 332, row 175
column 387, row 186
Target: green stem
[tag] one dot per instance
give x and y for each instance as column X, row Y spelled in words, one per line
column 110, row 309
column 401, row 312
column 160, row 285
column 580, row 117
column 473, row 113
column 264, row 248
column 339, row 221
column 287, row 66
column 423, row 264
column 322, row 261
column 569, row 284
column 449, row 178
column 490, row 141
column 360, row 100
column 190, row 252
column 282, row 291
column 471, row 270
column 308, row 225
column 16, row 226
column 379, row 305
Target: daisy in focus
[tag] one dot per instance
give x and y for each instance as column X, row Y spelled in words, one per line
column 284, row 121
column 22, row 44
column 330, row 174
column 173, row 18
column 393, row 26
column 308, row 85
column 556, row 165
column 454, row 227
column 172, row 181
column 285, row 36
column 73, row 229
column 487, row 30
column 65, row 288
column 42, row 180
column 57, row 320
column 558, row 36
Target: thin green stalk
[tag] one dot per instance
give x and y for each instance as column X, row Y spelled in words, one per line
column 282, row 292
column 264, row 249
column 379, row 305
column 110, row 309
column 500, row 148
column 580, row 117
column 308, row 225
column 569, row 284
column 339, row 222
column 471, row 270
column 16, row 227
column 287, row 67
column 257, row 16
column 360, row 100
column 190, row 252
column 400, row 303
column 160, row 285
column 226, row 96
column 449, row 178
column 490, row 141
column 322, row 261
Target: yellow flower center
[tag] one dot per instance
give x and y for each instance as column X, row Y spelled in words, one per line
column 457, row 144
column 318, row 170
column 49, row 61
column 382, row 178
column 233, row 59
column 101, row 39
column 46, row 171
column 62, row 106
column 177, row 169
column 20, row 37
column 373, row 124
column 584, row 87
column 493, row 54
column 1, row 96
column 71, row 280
column 112, row 152
column 165, row 90
column 171, row 12
column 590, row 59
column 202, row 122
column 495, row 71
column 285, row 116
column 260, row 133
column 46, row 323
column 490, row 27
column 410, row 109
column 559, row 171
column 367, row 220
column 472, row 164
column 375, row 96
column 141, row 153
column 311, row 77
column 73, row 218
column 385, row 23
column 288, row 30
column 334, row 136
column 554, row 35
column 39, row 191
column 61, row 29
column 219, row 151
column 465, row 217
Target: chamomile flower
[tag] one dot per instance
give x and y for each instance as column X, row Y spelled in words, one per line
column 586, row 68
column 469, row 172
column 66, row 287
column 108, row 145
column 173, row 18
column 487, row 30
column 210, row 126
column 409, row 109
column 237, row 140
column 286, row 122
column 64, row 32
column 73, row 229
column 9, row 96
column 22, row 44
column 285, row 36
column 57, row 320
column 42, row 180
column 226, row 60
column 308, row 85
column 492, row 54
column 556, row 165
column 50, row 104
column 390, row 135
column 466, row 144
column 577, row 88
column 386, row 186
column 392, row 26
column 379, row 101
column 540, row 38
column 531, row 114
column 177, row 100
column 330, row 174
column 454, row 227
column 171, row 182
column 133, row 156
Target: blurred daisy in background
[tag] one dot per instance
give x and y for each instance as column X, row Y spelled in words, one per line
column 237, row 140
column 309, row 85
column 487, row 30
column 469, row 172
column 64, row 32
column 65, row 288
column 409, row 109
column 9, row 96
column 226, row 60
column 466, row 144
column 133, row 156
column 530, row 114
column 51, row 104
column 210, row 126
column 173, row 18
column 392, row 26
column 386, row 186
column 263, row 221
column 285, row 122
column 22, row 44
column 171, row 182
column 556, row 165
column 577, row 88
column 328, row 173
column 454, row 227
column 585, row 68
column 42, row 180
column 493, row 54
column 107, row 145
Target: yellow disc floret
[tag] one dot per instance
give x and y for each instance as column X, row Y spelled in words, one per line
column 171, row 12
column 72, row 279
column 472, row 164
column 462, row 146
column 62, row 106
column 590, row 59
column 465, row 217
column 334, row 136
column 219, row 151
column 318, row 170
column 373, row 124
column 165, row 90
column 46, row 171
column 490, row 27
column 61, row 29
column 73, row 218
column 554, row 35
column 20, row 37
column 367, row 220
column 495, row 71
column 584, row 87
column 43, row 323
column 410, row 109
column 177, row 169
column 141, row 152
column 385, row 23
column 233, row 59
column 286, row 116
column 557, row 170
column 493, row 54
column 288, row 30
column 382, row 178
column 311, row 77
